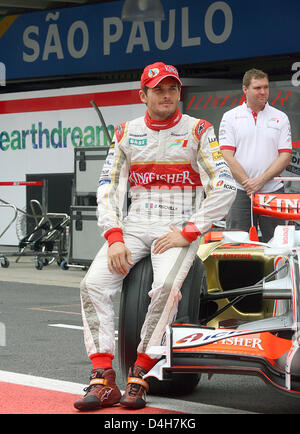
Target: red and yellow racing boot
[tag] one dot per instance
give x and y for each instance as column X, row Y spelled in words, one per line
column 136, row 388
column 102, row 391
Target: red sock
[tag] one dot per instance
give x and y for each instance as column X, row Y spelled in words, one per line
column 145, row 361
column 102, row 360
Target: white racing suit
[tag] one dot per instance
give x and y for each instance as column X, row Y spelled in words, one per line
column 168, row 171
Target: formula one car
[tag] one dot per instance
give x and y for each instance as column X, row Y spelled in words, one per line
column 239, row 312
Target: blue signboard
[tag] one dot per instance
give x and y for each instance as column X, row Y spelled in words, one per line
column 93, row 38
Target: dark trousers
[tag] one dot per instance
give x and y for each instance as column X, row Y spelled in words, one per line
column 239, row 217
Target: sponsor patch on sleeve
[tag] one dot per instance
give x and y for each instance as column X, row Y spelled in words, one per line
column 200, row 127
column 120, row 131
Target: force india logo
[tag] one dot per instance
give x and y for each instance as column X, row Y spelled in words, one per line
column 224, row 337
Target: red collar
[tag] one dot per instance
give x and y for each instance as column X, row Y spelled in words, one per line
column 163, row 125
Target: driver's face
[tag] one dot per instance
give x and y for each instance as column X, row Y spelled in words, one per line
column 162, row 100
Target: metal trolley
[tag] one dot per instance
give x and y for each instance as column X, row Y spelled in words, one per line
column 47, row 242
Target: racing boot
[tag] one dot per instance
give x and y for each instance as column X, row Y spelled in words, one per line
column 136, row 388
column 102, row 391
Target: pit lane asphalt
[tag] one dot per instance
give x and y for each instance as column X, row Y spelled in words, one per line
column 32, row 304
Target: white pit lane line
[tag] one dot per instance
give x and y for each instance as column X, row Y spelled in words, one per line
column 77, row 389
column 66, row 326
column 75, row 327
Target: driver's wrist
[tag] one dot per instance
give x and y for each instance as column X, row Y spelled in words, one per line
column 113, row 236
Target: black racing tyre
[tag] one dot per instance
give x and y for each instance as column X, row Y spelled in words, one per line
column 133, row 307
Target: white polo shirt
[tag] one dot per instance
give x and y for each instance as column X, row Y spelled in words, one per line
column 256, row 140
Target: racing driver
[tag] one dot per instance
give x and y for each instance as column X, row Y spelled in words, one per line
column 179, row 186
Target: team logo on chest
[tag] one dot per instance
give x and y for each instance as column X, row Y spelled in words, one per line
column 179, row 142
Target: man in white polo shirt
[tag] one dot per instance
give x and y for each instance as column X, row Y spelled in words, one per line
column 255, row 139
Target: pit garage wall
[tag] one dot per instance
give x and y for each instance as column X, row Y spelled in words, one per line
column 212, row 98
column 39, row 131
